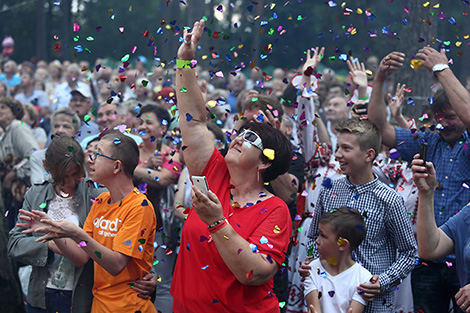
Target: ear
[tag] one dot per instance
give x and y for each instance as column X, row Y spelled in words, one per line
column 344, row 246
column 117, row 167
column 263, row 166
column 370, row 155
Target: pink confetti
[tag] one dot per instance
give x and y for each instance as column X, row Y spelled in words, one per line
column 76, row 27
column 6, row 213
column 82, row 244
column 134, row 48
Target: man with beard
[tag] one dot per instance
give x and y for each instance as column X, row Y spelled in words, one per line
column 434, row 283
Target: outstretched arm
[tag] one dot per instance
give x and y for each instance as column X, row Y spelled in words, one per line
column 196, row 137
column 458, row 96
column 377, row 110
column 433, row 243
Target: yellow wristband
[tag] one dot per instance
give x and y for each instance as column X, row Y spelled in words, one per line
column 183, row 63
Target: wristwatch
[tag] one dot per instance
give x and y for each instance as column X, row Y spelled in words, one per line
column 439, row 67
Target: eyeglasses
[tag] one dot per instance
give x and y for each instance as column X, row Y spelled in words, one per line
column 96, row 154
column 252, row 137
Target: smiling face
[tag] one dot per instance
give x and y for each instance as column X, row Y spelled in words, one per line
column 108, row 118
column 453, row 126
column 353, row 161
column 243, row 154
column 80, row 104
column 150, row 126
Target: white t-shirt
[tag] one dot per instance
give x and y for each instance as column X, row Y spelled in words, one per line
column 61, row 209
column 337, row 291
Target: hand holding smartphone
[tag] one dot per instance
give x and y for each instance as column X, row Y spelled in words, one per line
column 201, row 183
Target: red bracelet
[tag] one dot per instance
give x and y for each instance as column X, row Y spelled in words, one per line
column 218, row 226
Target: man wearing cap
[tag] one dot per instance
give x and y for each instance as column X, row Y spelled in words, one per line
column 62, row 91
column 80, row 102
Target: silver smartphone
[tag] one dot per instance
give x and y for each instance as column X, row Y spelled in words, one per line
column 201, row 183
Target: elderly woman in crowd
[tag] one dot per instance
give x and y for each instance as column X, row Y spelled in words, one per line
column 234, row 238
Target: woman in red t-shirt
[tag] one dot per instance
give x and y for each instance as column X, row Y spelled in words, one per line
column 234, row 238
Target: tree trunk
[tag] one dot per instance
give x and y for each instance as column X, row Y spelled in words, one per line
column 41, row 37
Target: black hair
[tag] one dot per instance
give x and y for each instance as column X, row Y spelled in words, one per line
column 162, row 115
column 274, row 139
column 346, row 223
column 125, row 150
column 440, row 102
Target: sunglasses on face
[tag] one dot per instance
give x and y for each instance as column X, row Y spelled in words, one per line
column 96, row 154
column 251, row 137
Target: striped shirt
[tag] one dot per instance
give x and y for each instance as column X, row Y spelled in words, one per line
column 389, row 249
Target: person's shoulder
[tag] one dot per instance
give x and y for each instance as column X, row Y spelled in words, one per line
column 385, row 192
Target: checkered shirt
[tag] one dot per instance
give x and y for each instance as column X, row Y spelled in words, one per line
column 389, row 249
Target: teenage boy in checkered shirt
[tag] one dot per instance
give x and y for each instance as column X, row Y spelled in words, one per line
column 389, row 249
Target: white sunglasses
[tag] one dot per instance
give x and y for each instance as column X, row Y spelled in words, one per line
column 251, row 137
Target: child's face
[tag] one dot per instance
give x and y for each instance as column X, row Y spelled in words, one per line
column 352, row 160
column 327, row 242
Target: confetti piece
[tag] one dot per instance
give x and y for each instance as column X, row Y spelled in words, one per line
column 332, row 260
column 82, row 244
column 327, row 183
column 183, row 89
column 263, row 240
column 117, row 141
column 249, row 275
column 416, row 63
column 341, row 241
column 331, row 293
column 188, row 117
column 131, row 285
column 98, row 254
column 6, row 213
column 204, row 267
column 254, row 248
column 269, row 153
column 239, row 251
column 144, row 202
column 141, row 240
column 277, row 229
column 43, row 205
column 141, row 248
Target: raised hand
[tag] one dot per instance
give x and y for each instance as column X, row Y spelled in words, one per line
column 357, row 72
column 392, row 62
column 423, row 176
column 431, row 57
column 396, row 102
column 188, row 47
column 311, row 63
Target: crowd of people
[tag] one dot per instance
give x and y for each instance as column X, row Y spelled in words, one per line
column 318, row 196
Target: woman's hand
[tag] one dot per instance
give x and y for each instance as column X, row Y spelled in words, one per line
column 396, row 102
column 357, row 72
column 311, row 63
column 423, row 176
column 188, row 48
column 32, row 220
column 208, row 208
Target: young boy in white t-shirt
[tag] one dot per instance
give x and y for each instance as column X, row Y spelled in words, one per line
column 334, row 276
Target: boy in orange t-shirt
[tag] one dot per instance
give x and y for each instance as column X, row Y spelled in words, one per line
column 118, row 233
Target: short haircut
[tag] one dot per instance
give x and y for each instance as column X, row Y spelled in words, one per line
column 346, row 223
column 121, row 109
column 264, row 103
column 289, row 96
column 274, row 139
column 161, row 114
column 33, row 113
column 67, row 111
column 367, row 133
column 15, row 106
column 440, row 102
column 124, row 149
column 61, row 154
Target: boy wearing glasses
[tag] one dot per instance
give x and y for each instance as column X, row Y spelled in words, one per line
column 118, row 233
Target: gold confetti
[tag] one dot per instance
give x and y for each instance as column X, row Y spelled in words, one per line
column 277, row 230
column 332, row 260
column 269, row 153
column 416, row 63
column 426, row 4
column 340, row 241
column 226, row 237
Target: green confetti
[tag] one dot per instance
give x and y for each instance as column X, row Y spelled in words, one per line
column 90, row 38
column 98, row 254
column 299, row 18
column 43, row 205
column 332, row 58
column 94, row 112
column 145, row 83
column 70, row 148
column 310, row 251
column 76, row 38
column 131, row 285
column 142, row 241
column 183, row 89
column 125, row 58
column 300, row 228
column 87, row 118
